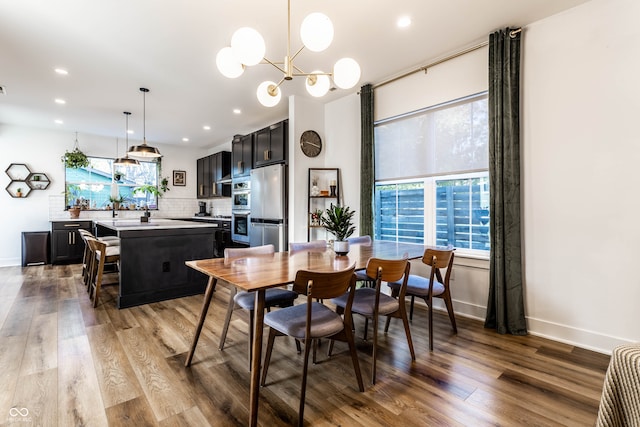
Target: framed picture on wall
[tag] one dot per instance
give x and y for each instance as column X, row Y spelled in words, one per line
column 179, row 178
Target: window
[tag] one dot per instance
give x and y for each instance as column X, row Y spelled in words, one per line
column 98, row 185
column 436, row 189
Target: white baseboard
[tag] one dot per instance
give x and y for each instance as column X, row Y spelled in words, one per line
column 10, row 262
column 582, row 338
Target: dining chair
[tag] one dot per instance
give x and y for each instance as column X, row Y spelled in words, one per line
column 313, row 320
column 432, row 287
column 101, row 254
column 306, row 246
column 361, row 275
column 273, row 297
column 372, row 303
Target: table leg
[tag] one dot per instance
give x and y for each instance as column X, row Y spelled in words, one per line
column 257, row 357
column 203, row 314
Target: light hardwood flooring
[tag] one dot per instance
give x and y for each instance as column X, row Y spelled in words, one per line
column 67, row 364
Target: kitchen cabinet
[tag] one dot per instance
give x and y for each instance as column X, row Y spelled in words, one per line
column 323, row 190
column 270, row 144
column 66, row 243
column 214, row 175
column 241, row 155
column 221, row 171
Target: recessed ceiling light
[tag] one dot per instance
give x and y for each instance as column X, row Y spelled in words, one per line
column 58, row 122
column 185, row 139
column 130, row 132
column 403, row 22
column 237, row 111
column 60, row 101
column 61, row 71
column 205, row 127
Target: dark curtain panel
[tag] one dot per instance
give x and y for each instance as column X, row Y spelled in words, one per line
column 367, row 174
column 505, row 308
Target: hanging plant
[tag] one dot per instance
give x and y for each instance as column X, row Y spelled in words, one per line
column 75, row 159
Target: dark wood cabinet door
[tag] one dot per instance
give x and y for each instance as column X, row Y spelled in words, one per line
column 262, row 147
column 242, row 155
column 66, row 243
column 200, row 178
column 278, row 133
column 271, row 144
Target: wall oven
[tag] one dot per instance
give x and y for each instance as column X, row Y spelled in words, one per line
column 240, row 223
column 241, row 194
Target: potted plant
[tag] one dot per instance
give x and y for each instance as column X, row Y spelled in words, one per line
column 19, row 192
column 75, row 159
column 338, row 220
column 147, row 189
column 116, row 201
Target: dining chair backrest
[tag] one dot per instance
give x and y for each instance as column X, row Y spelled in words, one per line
column 305, row 246
column 231, row 253
column 438, row 259
column 360, row 240
column 324, row 285
column 392, row 270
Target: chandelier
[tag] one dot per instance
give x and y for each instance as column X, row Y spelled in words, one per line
column 248, row 48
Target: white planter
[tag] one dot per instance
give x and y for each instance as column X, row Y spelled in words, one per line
column 341, row 247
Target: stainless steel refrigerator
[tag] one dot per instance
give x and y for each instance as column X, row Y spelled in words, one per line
column 269, row 207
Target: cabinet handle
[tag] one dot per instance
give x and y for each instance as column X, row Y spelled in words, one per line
column 267, row 154
column 202, row 189
column 213, row 188
column 72, row 225
column 69, row 237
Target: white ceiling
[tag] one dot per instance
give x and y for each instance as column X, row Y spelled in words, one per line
column 111, row 48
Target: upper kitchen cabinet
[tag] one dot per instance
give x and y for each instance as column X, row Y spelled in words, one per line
column 214, row 175
column 241, row 155
column 221, row 169
column 270, row 144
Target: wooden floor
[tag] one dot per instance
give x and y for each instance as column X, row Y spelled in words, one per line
column 67, row 364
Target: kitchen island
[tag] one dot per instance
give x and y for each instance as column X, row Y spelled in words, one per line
column 153, row 255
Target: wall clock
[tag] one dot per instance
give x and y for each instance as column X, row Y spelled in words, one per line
column 310, row 143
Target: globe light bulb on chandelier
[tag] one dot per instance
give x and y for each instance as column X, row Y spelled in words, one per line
column 316, row 31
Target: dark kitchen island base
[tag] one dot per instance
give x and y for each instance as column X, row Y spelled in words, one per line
column 153, row 255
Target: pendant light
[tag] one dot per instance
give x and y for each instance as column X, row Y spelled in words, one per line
column 126, row 160
column 144, row 151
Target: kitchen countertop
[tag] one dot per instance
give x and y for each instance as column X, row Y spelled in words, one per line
column 154, row 223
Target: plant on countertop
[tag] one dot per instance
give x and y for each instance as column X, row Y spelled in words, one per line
column 338, row 220
column 75, row 159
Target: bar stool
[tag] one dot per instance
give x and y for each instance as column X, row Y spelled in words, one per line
column 100, row 254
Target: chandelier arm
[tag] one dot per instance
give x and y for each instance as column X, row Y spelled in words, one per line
column 296, row 54
column 280, row 82
column 301, row 74
column 275, row 65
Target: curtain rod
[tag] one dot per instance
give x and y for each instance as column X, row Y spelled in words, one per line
column 424, row 68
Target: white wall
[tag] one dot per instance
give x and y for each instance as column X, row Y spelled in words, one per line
column 581, row 99
column 41, row 151
column 580, row 150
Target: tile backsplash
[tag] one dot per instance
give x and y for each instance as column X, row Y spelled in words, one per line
column 168, row 208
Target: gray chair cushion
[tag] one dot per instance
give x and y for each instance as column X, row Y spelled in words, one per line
column 292, row 321
column 272, row 297
column 364, row 301
column 419, row 286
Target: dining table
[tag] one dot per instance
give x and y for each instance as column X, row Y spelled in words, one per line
column 259, row 273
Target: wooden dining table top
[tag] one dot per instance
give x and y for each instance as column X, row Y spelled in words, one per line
column 265, row 271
